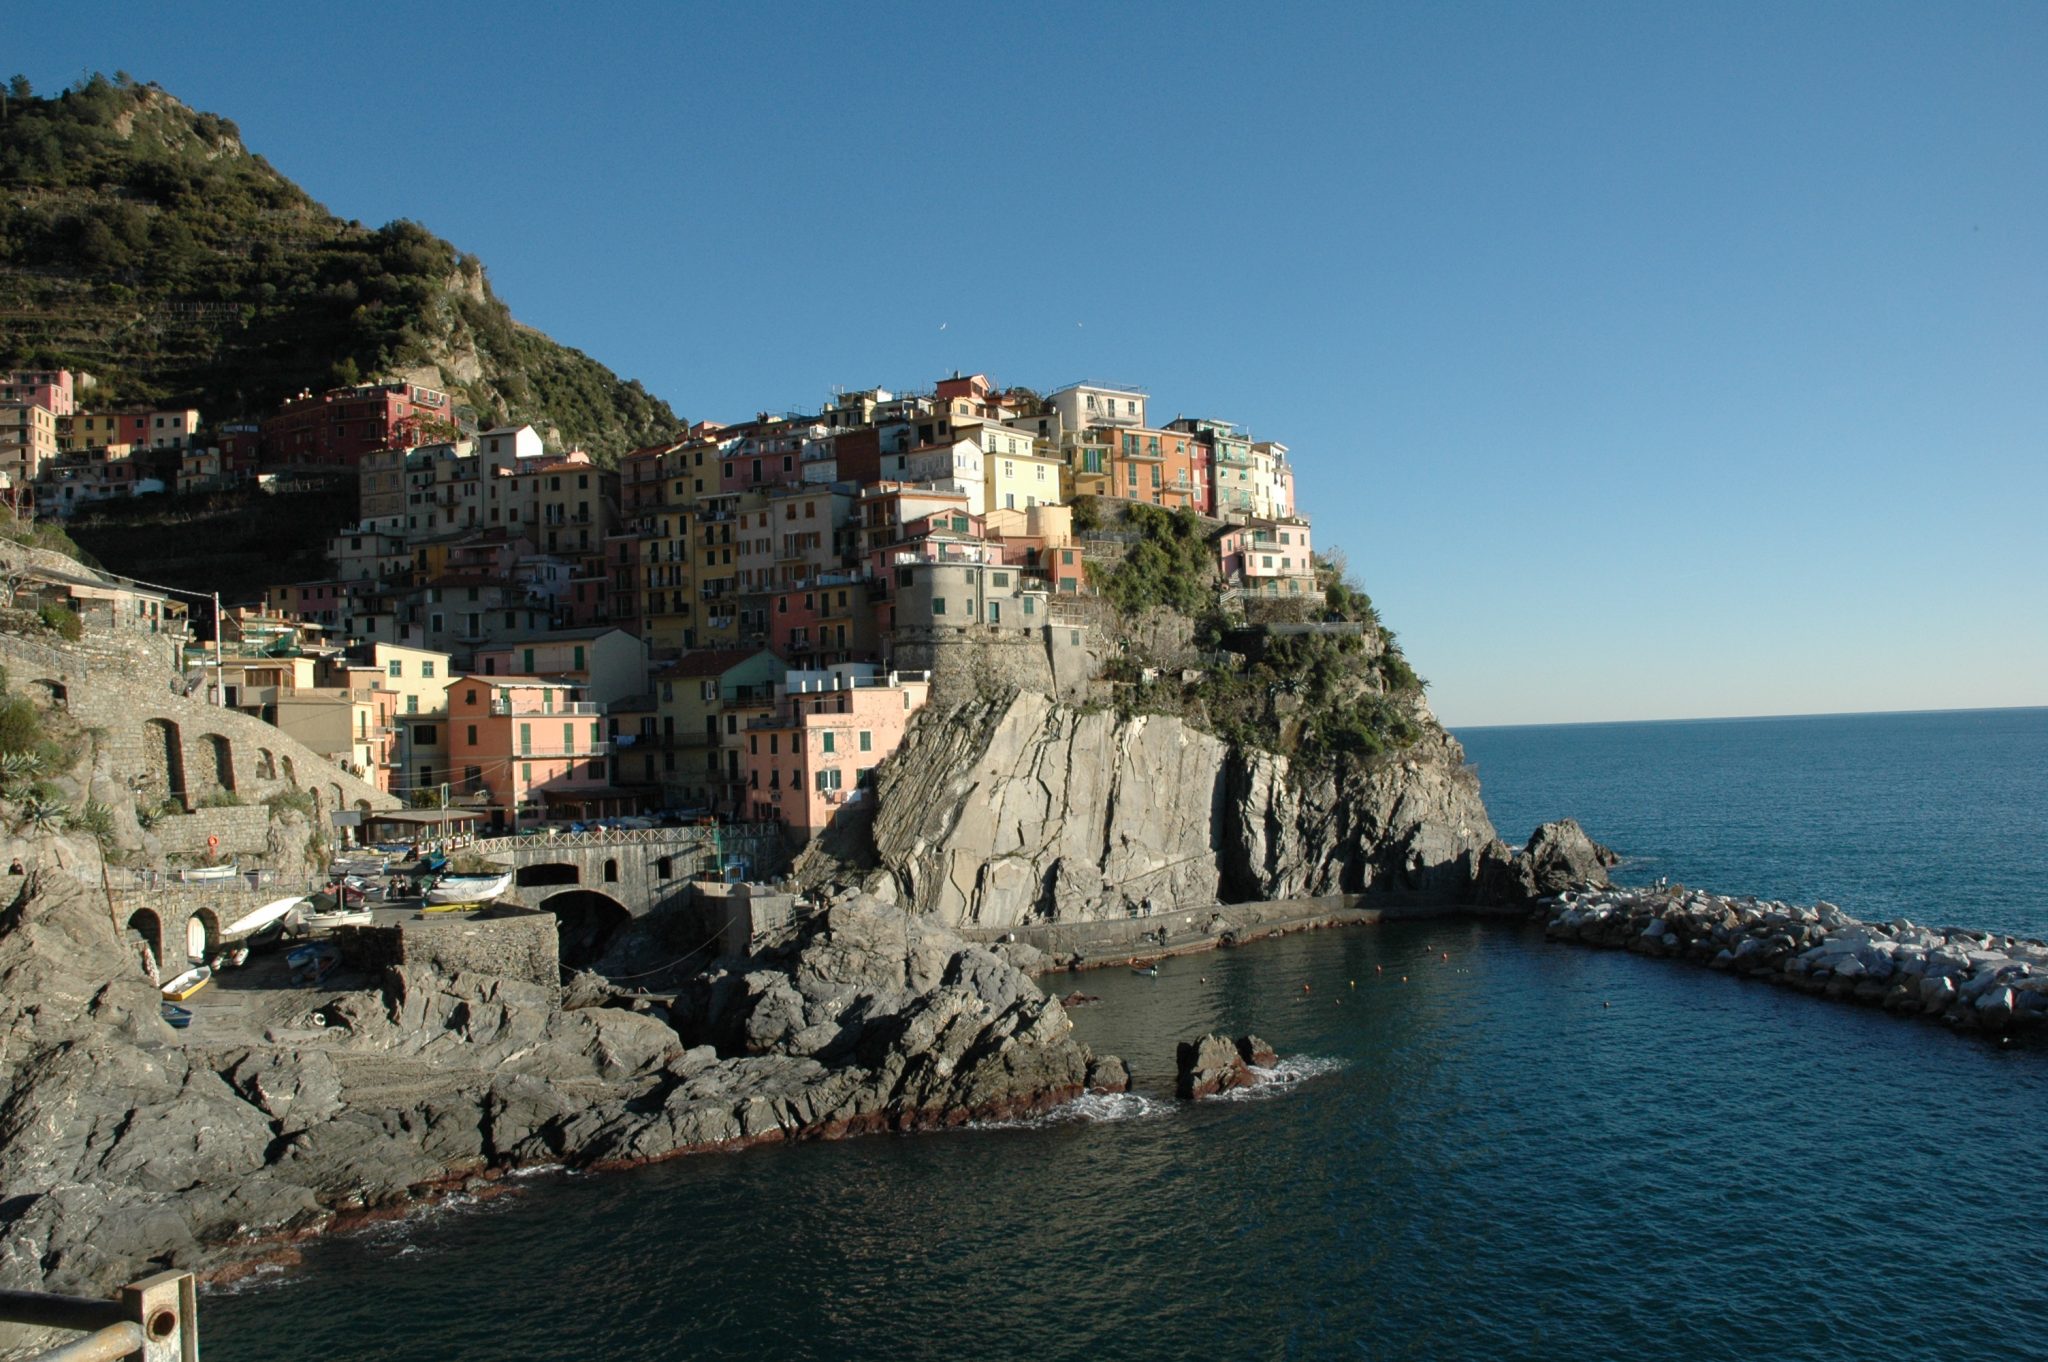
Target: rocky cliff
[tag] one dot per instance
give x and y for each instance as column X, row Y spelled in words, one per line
column 124, row 1143
column 1001, row 812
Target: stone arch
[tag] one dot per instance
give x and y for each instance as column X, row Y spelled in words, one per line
column 611, row 870
column 145, row 931
column 222, row 765
column 335, row 801
column 291, row 772
column 266, row 764
column 53, row 693
column 585, row 923
column 547, row 872
column 202, row 934
column 163, row 758
column 362, row 806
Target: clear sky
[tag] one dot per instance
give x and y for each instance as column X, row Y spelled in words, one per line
column 1645, row 360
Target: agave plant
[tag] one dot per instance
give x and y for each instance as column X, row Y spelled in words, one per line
column 44, row 815
column 18, row 768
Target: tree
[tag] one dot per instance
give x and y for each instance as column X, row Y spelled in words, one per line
column 19, row 88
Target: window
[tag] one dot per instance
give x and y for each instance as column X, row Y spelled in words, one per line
column 867, row 741
column 774, row 744
column 1000, row 578
column 995, row 612
column 472, row 735
column 568, row 737
column 828, row 779
column 578, row 665
column 394, row 668
column 938, row 605
column 412, row 704
column 469, row 698
column 427, row 670
column 526, row 772
column 525, row 739
column 424, row 734
column 828, row 736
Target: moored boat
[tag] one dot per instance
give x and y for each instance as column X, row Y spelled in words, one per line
column 273, row 911
column 202, row 874
column 326, row 919
column 188, row 983
column 452, row 890
column 179, row 1017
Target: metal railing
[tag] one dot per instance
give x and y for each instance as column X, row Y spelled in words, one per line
column 153, row 1320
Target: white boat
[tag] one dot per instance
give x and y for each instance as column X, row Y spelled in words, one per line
column 203, row 873
column 188, row 983
column 328, row 919
column 469, row 888
column 262, row 917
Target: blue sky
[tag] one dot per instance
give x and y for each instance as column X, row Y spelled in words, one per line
column 1645, row 360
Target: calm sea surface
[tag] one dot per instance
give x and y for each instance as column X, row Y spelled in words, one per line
column 1523, row 1150
column 1939, row 817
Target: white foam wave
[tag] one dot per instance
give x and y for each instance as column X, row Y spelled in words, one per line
column 1284, row 1077
column 1091, row 1107
column 262, row 1277
column 535, row 1170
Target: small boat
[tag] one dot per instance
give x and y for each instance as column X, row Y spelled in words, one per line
column 327, row 919
column 451, row 890
column 262, row 917
column 205, row 874
column 311, row 964
column 180, row 1017
column 188, row 983
column 1148, row 971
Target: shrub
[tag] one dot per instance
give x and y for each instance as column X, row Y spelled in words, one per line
column 63, row 619
column 97, row 819
column 291, row 801
column 220, row 799
column 21, row 726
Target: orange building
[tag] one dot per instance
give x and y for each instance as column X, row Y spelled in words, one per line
column 531, row 747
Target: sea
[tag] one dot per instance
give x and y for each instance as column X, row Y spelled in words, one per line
column 1478, row 1145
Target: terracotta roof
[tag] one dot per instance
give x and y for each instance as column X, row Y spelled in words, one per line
column 715, row 662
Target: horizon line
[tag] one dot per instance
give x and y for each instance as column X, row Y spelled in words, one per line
column 1748, row 718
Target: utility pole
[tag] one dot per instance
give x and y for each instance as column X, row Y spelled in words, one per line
column 220, row 676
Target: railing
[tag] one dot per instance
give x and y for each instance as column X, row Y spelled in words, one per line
column 156, row 1319
column 571, row 708
column 593, row 749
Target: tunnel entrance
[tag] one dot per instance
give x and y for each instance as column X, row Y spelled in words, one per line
column 585, row 923
column 146, row 941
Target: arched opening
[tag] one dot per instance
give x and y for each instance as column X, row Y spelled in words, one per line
column 334, row 799
column 223, row 753
column 54, row 692
column 665, row 867
column 362, row 806
column 163, row 757
column 611, row 871
column 202, row 933
column 553, row 872
column 146, row 940
column 291, row 773
column 266, row 764
column 585, row 922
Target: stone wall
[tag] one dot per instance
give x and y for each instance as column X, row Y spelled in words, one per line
column 171, row 747
column 968, row 662
column 523, row 948
column 244, row 830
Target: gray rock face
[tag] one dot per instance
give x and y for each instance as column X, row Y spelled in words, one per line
column 1561, row 856
column 1000, row 813
column 124, row 1143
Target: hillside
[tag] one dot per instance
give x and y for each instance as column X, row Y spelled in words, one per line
column 144, row 244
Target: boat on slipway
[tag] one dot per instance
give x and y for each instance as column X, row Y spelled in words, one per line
column 208, row 874
column 452, row 892
column 188, row 983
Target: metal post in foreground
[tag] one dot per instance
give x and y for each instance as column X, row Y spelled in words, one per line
column 153, row 1320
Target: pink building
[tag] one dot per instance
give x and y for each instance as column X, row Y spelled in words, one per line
column 50, row 389
column 817, row 752
column 532, row 746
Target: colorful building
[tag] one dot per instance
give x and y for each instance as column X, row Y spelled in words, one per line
column 817, row 752
column 528, row 749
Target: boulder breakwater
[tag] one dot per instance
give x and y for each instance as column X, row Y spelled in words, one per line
column 1972, row 981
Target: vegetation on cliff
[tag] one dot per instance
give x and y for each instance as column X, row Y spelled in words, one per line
column 148, row 247
column 1338, row 688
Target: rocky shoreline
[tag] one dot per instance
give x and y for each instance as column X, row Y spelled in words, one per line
column 127, row 1146
column 1968, row 980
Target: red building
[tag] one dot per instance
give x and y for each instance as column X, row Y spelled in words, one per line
column 341, row 426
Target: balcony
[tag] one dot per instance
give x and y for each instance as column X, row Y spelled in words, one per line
column 566, row 709
column 594, row 749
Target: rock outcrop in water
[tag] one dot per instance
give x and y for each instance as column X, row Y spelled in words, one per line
column 1003, row 812
column 1975, row 981
column 1216, row 1064
column 124, row 1143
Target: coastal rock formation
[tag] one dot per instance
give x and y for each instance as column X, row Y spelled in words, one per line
column 124, row 1143
column 1974, row 981
column 1216, row 1064
column 1561, row 857
column 998, row 813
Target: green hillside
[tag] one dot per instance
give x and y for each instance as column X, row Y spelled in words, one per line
column 143, row 243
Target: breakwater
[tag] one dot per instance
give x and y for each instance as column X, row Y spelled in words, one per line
column 1970, row 980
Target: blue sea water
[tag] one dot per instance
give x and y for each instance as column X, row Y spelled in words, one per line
column 1491, row 1147
column 1939, row 817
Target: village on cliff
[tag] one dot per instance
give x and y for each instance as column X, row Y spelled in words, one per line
column 740, row 622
